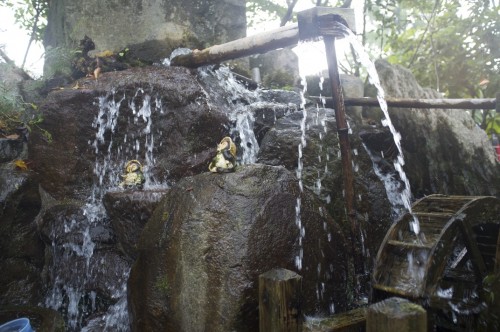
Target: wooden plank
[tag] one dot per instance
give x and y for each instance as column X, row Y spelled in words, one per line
column 396, row 314
column 280, row 296
column 410, row 245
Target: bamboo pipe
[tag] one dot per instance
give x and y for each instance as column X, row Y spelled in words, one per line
column 261, row 43
column 307, row 28
column 466, row 104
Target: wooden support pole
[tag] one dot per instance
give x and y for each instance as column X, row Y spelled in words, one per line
column 396, row 314
column 280, row 299
column 466, row 104
column 345, row 150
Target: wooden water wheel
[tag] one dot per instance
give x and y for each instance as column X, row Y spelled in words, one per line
column 444, row 267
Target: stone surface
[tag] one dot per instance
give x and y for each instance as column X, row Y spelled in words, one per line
column 213, row 234
column 128, row 212
column 278, row 68
column 10, row 149
column 445, row 151
column 182, row 130
column 150, row 29
column 21, row 249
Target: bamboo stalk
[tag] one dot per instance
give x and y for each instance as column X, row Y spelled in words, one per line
column 261, row 43
column 466, row 104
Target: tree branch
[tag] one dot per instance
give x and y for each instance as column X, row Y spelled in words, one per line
column 10, row 62
column 289, row 12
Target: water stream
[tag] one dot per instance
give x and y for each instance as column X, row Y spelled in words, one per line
column 364, row 59
column 80, row 262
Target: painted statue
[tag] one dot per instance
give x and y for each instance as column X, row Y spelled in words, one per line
column 225, row 159
column 134, row 178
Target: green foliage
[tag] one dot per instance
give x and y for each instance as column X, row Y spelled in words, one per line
column 279, row 79
column 25, row 12
column 15, row 113
column 450, row 45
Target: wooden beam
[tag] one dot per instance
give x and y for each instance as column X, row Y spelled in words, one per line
column 466, row 104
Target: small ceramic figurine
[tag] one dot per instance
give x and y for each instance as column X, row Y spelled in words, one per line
column 225, row 159
column 133, row 177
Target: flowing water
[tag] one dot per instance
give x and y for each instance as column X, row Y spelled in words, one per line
column 363, row 58
column 77, row 266
column 222, row 86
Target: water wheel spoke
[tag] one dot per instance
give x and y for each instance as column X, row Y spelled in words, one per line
column 472, row 247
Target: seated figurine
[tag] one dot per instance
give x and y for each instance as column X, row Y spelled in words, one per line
column 225, row 159
column 134, row 177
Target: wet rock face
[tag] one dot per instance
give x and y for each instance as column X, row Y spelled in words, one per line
column 128, row 212
column 213, row 234
column 322, row 170
column 69, row 243
column 445, row 152
column 21, row 249
column 150, row 29
column 181, row 129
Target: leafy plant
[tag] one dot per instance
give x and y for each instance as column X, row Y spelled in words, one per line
column 15, row 113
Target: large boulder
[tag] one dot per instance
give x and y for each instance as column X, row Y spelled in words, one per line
column 160, row 116
column 444, row 150
column 201, row 253
column 150, row 29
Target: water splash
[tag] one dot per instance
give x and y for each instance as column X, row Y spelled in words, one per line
column 243, row 128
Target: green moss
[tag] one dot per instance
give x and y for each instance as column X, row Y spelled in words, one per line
column 162, row 285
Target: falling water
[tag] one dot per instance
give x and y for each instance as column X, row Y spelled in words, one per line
column 71, row 292
column 236, row 98
column 364, row 59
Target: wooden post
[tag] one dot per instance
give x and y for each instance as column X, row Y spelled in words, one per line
column 396, row 314
column 280, row 299
column 328, row 26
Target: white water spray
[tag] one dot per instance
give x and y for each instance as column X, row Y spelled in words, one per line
column 364, row 59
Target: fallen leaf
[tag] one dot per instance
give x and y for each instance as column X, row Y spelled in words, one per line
column 21, row 165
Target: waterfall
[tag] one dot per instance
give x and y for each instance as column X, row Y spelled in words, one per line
column 77, row 263
column 235, row 98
